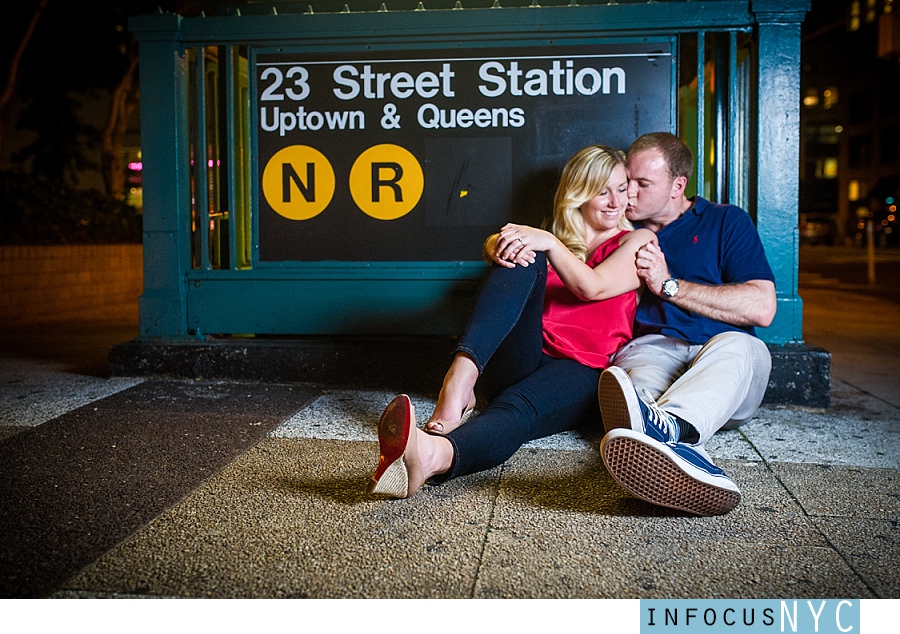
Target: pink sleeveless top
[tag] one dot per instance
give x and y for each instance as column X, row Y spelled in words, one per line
column 587, row 332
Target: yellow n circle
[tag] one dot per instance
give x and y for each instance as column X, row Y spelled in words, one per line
column 298, row 182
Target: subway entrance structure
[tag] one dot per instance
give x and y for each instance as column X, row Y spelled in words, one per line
column 319, row 177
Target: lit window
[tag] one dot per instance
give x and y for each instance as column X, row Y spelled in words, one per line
column 854, row 190
column 854, row 16
column 830, row 95
column 870, row 10
column 888, row 6
column 812, row 98
column 830, row 167
column 820, row 168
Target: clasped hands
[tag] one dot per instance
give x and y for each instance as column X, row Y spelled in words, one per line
column 651, row 266
column 516, row 244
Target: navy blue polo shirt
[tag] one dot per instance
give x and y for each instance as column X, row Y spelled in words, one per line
column 709, row 244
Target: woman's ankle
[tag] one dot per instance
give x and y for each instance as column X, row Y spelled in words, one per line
column 458, row 390
column 435, row 454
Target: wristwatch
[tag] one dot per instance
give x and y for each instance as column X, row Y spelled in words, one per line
column 670, row 287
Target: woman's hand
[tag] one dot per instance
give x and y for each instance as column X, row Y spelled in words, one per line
column 517, row 254
column 517, row 244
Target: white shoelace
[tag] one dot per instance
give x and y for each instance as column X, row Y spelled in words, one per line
column 662, row 420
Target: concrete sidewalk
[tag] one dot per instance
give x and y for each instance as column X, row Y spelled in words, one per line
column 190, row 489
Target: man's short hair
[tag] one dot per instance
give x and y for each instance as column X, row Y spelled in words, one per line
column 679, row 160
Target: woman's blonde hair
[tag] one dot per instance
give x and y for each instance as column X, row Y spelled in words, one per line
column 584, row 177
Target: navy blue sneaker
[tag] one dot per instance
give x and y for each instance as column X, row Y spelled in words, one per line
column 676, row 475
column 621, row 408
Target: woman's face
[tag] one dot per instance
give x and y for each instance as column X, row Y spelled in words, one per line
column 604, row 210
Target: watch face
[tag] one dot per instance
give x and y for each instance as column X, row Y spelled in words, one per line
column 670, row 287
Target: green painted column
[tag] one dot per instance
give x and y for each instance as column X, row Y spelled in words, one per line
column 166, row 182
column 778, row 152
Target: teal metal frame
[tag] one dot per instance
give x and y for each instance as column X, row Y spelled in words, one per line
column 755, row 160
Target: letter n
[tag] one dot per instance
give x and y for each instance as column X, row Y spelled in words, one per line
column 289, row 175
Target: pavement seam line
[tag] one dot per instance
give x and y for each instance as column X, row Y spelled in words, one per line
column 870, row 395
column 487, row 531
column 810, row 518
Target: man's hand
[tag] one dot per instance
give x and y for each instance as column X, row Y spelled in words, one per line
column 651, row 267
column 751, row 303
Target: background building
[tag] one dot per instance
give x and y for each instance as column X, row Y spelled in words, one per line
column 850, row 122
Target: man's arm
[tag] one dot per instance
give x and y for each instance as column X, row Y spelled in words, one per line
column 751, row 303
column 748, row 304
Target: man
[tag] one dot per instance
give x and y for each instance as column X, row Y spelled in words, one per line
column 695, row 365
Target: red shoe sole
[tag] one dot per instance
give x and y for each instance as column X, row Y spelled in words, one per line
column 394, row 427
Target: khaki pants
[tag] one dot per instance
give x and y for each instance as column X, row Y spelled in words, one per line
column 718, row 385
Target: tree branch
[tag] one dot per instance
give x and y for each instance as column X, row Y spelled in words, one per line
column 13, row 73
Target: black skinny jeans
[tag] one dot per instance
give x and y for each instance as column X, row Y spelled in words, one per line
column 531, row 394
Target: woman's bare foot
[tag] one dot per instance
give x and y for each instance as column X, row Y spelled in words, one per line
column 457, row 397
column 435, row 454
column 408, row 456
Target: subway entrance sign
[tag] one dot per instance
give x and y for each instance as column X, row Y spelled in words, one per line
column 419, row 155
column 331, row 168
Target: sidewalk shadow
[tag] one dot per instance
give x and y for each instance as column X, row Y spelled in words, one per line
column 588, row 491
column 79, row 347
column 345, row 490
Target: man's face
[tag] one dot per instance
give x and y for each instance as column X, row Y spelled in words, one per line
column 650, row 187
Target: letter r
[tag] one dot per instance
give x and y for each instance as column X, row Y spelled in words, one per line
column 378, row 182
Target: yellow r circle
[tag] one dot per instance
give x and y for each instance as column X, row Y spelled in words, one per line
column 386, row 181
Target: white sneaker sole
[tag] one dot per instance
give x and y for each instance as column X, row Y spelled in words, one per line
column 618, row 401
column 651, row 471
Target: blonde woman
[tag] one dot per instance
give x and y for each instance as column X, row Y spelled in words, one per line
column 550, row 314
